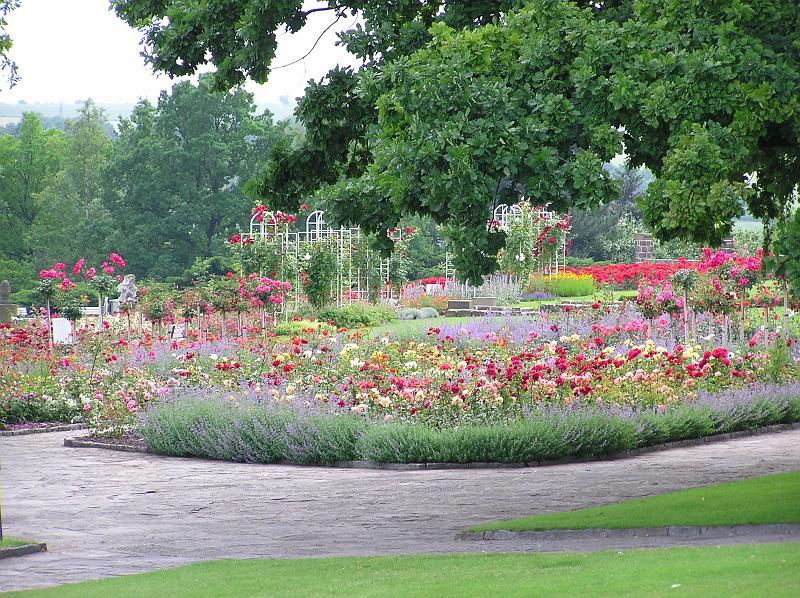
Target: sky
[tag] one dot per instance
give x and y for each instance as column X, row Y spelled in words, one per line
column 70, row 50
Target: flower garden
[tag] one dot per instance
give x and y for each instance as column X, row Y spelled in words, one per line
column 703, row 347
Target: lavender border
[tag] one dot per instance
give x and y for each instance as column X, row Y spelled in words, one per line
column 78, row 443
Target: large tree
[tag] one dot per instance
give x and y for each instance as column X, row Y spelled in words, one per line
column 709, row 97
column 72, row 222
column 29, row 162
column 178, row 171
column 454, row 96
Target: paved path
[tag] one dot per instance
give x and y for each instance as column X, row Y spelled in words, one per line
column 106, row 513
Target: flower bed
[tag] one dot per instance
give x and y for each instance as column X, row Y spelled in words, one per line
column 583, row 381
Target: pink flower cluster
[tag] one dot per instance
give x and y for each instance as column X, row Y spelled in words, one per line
column 57, row 271
column 261, row 290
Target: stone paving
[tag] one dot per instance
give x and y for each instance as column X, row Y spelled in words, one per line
column 105, row 513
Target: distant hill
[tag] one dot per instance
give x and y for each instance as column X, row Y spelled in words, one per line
column 11, row 113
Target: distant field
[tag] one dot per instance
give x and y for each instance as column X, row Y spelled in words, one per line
column 748, row 225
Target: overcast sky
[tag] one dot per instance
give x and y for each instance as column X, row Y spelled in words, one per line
column 69, row 50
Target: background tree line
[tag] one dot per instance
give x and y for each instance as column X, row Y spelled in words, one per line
column 165, row 191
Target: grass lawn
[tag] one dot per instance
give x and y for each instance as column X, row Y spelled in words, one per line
column 588, row 299
column 746, row 570
column 409, row 328
column 11, row 542
column 767, row 499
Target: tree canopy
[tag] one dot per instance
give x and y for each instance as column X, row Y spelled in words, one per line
column 175, row 184
column 454, row 97
column 7, row 65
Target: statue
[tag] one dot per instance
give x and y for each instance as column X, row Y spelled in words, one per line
column 127, row 290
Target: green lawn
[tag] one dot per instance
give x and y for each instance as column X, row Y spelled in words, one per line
column 414, row 328
column 767, row 499
column 10, row 542
column 588, row 299
column 747, row 570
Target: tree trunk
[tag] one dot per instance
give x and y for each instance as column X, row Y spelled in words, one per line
column 742, row 316
column 685, row 317
column 785, row 308
column 49, row 325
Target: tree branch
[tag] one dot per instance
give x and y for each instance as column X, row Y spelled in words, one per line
column 304, row 56
column 320, row 9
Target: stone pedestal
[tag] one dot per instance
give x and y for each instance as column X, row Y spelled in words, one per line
column 62, row 332
column 8, row 310
column 484, row 302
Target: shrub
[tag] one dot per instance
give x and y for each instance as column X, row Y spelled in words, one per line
column 410, row 314
column 358, row 314
column 257, row 433
column 418, row 314
column 18, row 410
column 503, row 287
column 437, row 302
column 296, row 327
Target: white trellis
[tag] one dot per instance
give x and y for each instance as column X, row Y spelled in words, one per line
column 352, row 280
column 502, row 216
column 504, row 213
column 538, row 220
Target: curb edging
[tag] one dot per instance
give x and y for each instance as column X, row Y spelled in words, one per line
column 78, row 443
column 672, row 531
column 33, row 548
column 26, row 431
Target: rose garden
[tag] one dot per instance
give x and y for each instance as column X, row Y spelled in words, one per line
column 507, row 303
column 312, row 354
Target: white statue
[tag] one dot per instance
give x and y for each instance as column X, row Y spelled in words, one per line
column 127, row 290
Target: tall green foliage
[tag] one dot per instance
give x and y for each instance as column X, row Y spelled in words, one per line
column 73, row 221
column 175, row 184
column 703, row 93
column 29, row 163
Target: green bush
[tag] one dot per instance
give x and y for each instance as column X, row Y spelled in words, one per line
column 358, row 314
column 217, row 429
column 528, row 441
column 294, row 328
column 36, row 409
column 579, row 262
column 418, row 314
column 410, row 314
column 561, row 285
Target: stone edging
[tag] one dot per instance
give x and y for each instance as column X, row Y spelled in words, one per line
column 23, row 550
column 61, row 428
column 78, row 443
column 673, row 531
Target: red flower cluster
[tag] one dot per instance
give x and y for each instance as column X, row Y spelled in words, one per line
column 633, row 274
column 440, row 280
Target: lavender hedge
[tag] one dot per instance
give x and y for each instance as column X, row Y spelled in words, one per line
column 249, row 429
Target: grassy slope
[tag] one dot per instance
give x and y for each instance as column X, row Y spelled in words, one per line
column 767, row 499
column 716, row 571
